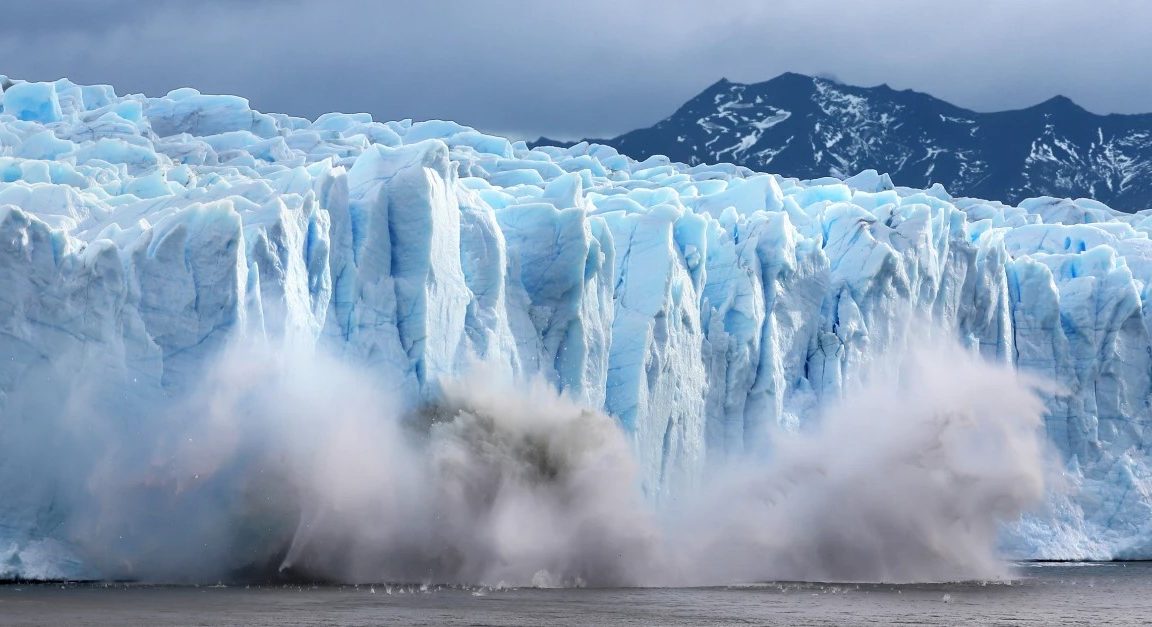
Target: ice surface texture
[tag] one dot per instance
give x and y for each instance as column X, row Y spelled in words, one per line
column 701, row 306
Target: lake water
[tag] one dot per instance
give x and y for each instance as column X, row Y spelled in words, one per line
column 1043, row 594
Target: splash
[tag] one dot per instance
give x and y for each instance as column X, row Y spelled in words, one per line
column 503, row 486
column 285, row 462
column 908, row 478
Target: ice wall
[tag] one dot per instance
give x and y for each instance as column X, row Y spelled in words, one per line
column 703, row 307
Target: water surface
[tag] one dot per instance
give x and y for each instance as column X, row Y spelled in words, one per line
column 1042, row 594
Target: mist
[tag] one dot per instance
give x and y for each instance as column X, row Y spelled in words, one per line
column 907, row 478
column 286, row 462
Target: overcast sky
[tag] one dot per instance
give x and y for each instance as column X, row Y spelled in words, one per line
column 581, row 68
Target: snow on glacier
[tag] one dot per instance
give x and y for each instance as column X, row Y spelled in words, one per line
column 700, row 306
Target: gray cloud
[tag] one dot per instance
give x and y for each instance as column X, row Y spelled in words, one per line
column 596, row 67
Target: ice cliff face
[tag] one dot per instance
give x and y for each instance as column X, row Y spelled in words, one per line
column 701, row 306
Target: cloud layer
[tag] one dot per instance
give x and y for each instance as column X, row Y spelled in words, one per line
column 597, row 67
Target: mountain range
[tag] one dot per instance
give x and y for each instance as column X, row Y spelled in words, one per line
column 811, row 127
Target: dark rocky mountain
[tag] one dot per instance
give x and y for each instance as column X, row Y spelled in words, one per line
column 808, row 127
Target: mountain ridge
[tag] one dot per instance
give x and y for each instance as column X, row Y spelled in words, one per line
column 812, row 127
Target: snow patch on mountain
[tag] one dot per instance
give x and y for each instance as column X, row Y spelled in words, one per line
column 1052, row 149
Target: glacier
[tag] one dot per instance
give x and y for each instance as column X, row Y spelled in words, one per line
column 703, row 307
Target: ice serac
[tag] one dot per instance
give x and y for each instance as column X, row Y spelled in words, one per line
column 703, row 307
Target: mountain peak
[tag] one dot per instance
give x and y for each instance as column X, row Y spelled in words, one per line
column 723, row 83
column 794, row 77
column 785, row 80
column 1059, row 102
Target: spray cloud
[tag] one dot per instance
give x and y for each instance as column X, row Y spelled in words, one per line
column 283, row 460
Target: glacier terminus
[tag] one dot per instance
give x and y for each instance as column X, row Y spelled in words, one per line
column 703, row 307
